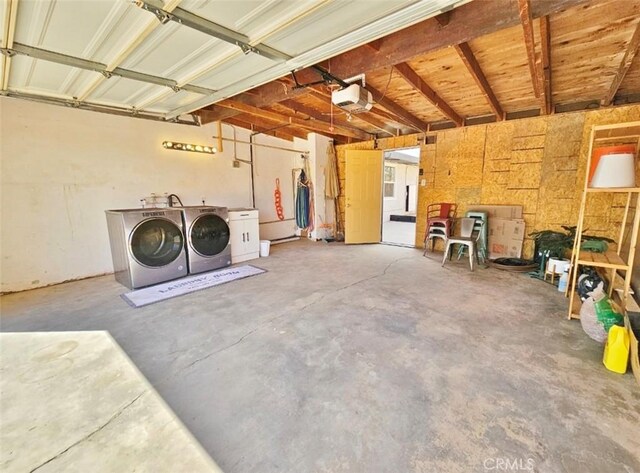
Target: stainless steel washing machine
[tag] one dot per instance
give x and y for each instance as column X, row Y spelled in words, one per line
column 147, row 245
column 208, row 237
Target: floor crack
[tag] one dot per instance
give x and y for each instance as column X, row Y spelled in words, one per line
column 266, row 322
column 91, row 434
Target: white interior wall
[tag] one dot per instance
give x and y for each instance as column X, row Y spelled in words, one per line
column 62, row 168
column 406, row 175
column 271, row 164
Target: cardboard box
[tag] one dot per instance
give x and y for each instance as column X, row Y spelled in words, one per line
column 508, row 212
column 505, row 238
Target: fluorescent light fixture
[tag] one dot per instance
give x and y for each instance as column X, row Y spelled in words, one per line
column 189, row 147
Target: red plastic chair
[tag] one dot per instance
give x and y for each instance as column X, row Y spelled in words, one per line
column 440, row 219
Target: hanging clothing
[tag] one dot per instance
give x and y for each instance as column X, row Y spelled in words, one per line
column 331, row 182
column 302, row 201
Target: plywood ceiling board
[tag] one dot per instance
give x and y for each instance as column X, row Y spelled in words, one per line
column 587, row 46
column 503, row 59
column 445, row 73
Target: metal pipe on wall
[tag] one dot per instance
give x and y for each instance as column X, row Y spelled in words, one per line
column 252, row 144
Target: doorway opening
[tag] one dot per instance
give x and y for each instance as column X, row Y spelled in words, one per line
column 400, row 196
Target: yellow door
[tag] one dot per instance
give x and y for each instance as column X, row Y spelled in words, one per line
column 363, row 196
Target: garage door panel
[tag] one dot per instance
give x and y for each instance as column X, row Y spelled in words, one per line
column 125, row 91
column 166, row 46
column 173, row 100
column 233, row 69
column 38, row 74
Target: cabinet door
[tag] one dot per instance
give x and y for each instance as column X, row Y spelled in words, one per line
column 238, row 237
column 252, row 231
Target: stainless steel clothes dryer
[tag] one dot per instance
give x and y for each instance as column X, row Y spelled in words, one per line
column 208, row 237
column 147, row 245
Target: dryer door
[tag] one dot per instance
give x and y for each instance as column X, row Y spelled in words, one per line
column 156, row 242
column 209, row 235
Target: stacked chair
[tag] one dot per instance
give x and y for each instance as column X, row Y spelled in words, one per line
column 482, row 227
column 440, row 220
column 469, row 235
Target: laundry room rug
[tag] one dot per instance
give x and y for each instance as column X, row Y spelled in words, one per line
column 180, row 287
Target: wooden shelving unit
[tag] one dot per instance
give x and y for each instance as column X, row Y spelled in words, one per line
column 623, row 133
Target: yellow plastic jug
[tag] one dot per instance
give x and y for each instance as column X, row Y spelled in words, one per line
column 616, row 351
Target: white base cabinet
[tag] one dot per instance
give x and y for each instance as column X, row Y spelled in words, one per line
column 245, row 234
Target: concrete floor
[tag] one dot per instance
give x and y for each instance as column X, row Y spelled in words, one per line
column 367, row 359
column 401, row 233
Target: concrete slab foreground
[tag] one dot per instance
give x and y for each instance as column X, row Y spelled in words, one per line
column 73, row 402
column 367, row 359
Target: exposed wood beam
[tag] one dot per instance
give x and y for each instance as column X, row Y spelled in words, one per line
column 264, row 124
column 443, row 19
column 469, row 60
column 630, row 53
column 282, row 133
column 404, row 115
column 427, row 92
column 386, row 116
column 367, row 117
column 313, row 125
column 375, row 44
column 467, row 22
column 380, row 125
column 215, row 112
column 530, row 43
column 297, row 107
column 545, row 43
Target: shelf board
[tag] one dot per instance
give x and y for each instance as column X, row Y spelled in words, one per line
column 608, row 259
column 613, row 189
column 616, row 130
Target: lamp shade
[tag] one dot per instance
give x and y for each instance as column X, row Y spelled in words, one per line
column 615, row 170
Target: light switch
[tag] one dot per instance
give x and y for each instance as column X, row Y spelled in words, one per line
column 423, row 182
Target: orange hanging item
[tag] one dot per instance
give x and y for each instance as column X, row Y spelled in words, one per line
column 278, row 201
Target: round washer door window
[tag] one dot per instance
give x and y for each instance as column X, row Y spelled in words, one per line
column 156, row 242
column 209, row 235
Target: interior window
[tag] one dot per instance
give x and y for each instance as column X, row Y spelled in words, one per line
column 389, row 181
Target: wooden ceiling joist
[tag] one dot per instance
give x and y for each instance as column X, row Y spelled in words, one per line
column 368, row 117
column 402, row 114
column 529, row 41
column 443, row 19
column 467, row 22
column 427, row 92
column 630, row 53
column 242, row 121
column 545, row 43
column 297, row 107
column 470, row 61
column 312, row 125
